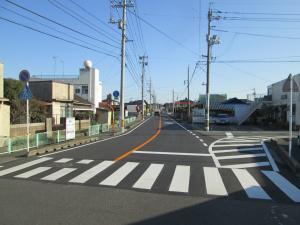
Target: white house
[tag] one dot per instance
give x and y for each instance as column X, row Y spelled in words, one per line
column 87, row 85
column 281, row 100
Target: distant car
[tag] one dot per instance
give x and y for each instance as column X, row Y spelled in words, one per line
column 222, row 119
column 156, row 113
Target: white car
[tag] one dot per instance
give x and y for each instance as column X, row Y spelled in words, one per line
column 222, row 119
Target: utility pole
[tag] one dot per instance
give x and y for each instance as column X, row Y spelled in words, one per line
column 188, row 85
column 122, row 26
column 144, row 62
column 173, row 104
column 150, row 93
column 211, row 40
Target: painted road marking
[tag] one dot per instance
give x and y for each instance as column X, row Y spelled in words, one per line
column 235, row 145
column 171, row 153
column 240, row 141
column 205, row 144
column 33, row 172
column 229, row 134
column 143, row 144
column 213, row 181
column 197, row 137
column 85, row 161
column 250, row 185
column 23, row 166
column 181, row 179
column 247, row 165
column 63, row 160
column 284, row 185
column 271, row 160
column 120, row 174
column 147, row 180
column 103, row 140
column 87, row 175
column 58, row 174
column 201, row 140
column 238, row 150
column 241, row 156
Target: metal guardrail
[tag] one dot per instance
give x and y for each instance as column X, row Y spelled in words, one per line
column 17, row 144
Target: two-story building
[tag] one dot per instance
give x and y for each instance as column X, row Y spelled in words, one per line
column 87, row 85
column 280, row 101
column 59, row 98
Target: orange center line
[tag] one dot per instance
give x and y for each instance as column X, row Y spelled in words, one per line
column 143, row 144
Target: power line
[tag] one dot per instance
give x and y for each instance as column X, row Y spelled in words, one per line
column 81, row 19
column 258, row 35
column 140, row 31
column 257, row 13
column 56, row 37
column 51, row 28
column 59, row 24
column 263, row 19
column 93, row 16
column 246, row 72
column 254, row 61
column 164, row 34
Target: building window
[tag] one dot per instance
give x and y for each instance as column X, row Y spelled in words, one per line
column 85, row 89
column 77, row 90
column 283, row 97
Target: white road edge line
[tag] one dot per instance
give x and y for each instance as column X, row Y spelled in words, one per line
column 271, row 160
column 96, row 141
column 170, row 153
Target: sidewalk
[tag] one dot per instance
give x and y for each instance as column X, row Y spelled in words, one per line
column 281, row 147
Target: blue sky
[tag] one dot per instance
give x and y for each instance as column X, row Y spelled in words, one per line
column 168, row 61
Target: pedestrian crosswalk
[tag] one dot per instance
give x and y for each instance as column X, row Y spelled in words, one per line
column 160, row 178
column 241, row 152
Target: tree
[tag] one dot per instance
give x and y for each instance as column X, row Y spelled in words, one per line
column 12, row 90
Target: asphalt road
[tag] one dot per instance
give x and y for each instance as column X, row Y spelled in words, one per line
column 162, row 172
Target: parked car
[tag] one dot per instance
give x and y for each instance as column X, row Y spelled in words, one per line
column 222, row 119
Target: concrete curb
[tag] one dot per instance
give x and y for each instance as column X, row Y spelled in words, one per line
column 74, row 143
column 292, row 164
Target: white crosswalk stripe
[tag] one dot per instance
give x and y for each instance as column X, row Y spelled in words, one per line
column 120, row 174
column 241, row 156
column 147, row 180
column 89, row 174
column 250, row 185
column 85, row 161
column 247, row 165
column 23, row 166
column 63, row 160
column 59, row 174
column 33, row 172
column 181, row 179
column 213, row 181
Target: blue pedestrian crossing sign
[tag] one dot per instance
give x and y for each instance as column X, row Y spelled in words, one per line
column 26, row 93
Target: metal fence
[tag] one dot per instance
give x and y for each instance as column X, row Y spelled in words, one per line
column 16, row 144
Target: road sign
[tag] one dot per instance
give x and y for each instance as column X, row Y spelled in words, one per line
column 116, row 94
column 24, row 76
column 287, row 86
column 26, row 93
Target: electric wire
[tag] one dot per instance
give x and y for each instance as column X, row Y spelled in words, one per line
column 79, row 18
column 56, row 37
column 56, row 30
column 59, row 24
